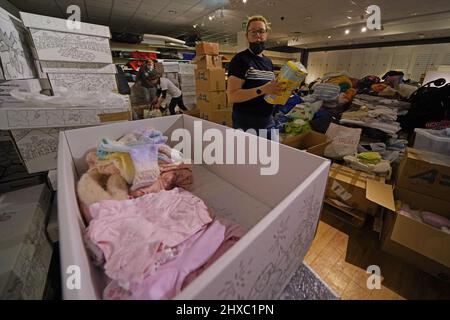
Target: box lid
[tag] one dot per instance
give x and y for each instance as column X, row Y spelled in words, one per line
column 56, row 24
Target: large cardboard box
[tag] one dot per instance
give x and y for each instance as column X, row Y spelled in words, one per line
column 53, row 41
column 280, row 211
column 209, row 62
column 349, row 189
column 311, row 141
column 204, row 48
column 24, row 250
column 425, row 172
column 415, row 241
column 222, row 117
column 210, row 80
column 212, row 100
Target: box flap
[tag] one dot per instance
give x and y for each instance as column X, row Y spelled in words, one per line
column 352, row 177
column 380, row 193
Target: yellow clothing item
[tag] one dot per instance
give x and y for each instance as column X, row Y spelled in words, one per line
column 123, row 162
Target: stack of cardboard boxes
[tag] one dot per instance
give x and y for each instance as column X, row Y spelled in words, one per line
column 211, row 85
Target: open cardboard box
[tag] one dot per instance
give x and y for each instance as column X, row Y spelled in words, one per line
column 311, row 141
column 280, row 211
column 350, row 189
column 415, row 241
column 425, row 172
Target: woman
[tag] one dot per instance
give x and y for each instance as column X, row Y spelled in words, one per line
column 250, row 78
column 165, row 86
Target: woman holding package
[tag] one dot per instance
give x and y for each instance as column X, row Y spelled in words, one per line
column 250, row 78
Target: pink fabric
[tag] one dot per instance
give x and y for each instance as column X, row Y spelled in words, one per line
column 135, row 234
column 435, row 220
column 171, row 176
column 166, row 282
column 233, row 234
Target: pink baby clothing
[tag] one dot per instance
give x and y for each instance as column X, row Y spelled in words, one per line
column 167, row 280
column 233, row 234
column 135, row 234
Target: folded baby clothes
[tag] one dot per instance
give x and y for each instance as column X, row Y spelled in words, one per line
column 135, row 234
column 381, row 168
column 167, row 280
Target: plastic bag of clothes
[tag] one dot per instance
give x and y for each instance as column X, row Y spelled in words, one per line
column 344, row 141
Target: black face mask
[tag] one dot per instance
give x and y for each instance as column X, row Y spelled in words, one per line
column 257, row 47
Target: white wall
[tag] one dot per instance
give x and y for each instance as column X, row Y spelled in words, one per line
column 414, row 61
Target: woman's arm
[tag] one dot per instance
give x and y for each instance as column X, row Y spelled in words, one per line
column 237, row 94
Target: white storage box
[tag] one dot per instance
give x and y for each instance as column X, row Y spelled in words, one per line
column 28, row 85
column 171, row 67
column 15, row 54
column 22, row 117
column 54, row 41
column 187, row 80
column 281, row 212
column 187, row 68
column 426, row 140
column 83, row 82
column 24, row 250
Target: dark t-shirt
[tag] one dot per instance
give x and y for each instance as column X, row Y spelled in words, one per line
column 256, row 71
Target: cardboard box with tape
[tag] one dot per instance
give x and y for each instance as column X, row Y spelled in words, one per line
column 350, row 190
column 214, row 100
column 207, row 48
column 209, row 62
column 210, row 80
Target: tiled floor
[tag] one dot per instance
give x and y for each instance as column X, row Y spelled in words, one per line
column 340, row 254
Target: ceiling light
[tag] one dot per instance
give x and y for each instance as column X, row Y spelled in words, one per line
column 210, row 18
column 364, row 29
column 347, row 31
column 349, row 18
column 195, row 26
column 329, row 37
column 244, row 1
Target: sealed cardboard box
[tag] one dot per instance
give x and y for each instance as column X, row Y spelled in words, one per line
column 212, row 100
column 280, row 211
column 24, row 250
column 204, row 48
column 210, row 80
column 311, row 141
column 425, row 172
column 413, row 240
column 349, row 189
column 209, row 62
column 222, row 117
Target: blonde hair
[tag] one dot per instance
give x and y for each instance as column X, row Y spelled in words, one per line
column 258, row 18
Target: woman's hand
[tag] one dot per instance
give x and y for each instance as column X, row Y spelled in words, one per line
column 272, row 87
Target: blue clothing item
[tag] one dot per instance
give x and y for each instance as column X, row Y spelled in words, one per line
column 291, row 103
